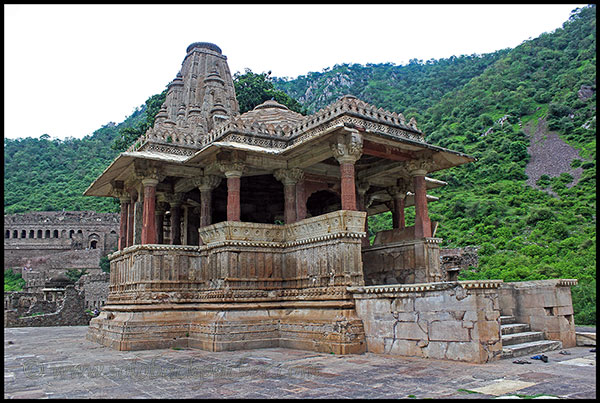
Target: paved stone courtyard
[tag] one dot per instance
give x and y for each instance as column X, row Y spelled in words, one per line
column 57, row 362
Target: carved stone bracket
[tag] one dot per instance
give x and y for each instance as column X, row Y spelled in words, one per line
column 400, row 190
column 207, row 182
column 348, row 148
column 289, row 176
column 362, row 187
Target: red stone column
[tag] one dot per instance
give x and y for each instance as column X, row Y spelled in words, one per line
column 233, row 172
column 289, row 177
column 422, row 221
column 205, row 185
column 398, row 213
column 289, row 195
column 300, row 201
column 160, row 216
column 175, row 222
column 362, row 206
column 348, row 186
column 123, row 222
column 130, row 217
column 347, row 150
column 149, row 217
column 233, row 198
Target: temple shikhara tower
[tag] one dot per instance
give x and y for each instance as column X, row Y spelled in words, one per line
column 242, row 231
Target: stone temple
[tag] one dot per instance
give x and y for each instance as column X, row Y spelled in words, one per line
column 242, row 231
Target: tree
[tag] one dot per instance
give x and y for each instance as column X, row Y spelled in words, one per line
column 128, row 135
column 253, row 89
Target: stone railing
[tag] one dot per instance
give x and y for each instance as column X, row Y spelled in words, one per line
column 445, row 320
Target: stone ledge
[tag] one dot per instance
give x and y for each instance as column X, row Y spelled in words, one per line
column 151, row 247
column 421, row 287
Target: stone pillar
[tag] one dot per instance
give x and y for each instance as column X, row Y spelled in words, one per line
column 130, row 217
column 418, row 169
column 149, row 217
column 300, row 201
column 398, row 194
column 175, row 208
column 233, row 173
column 160, row 217
column 138, row 223
column 205, row 185
column 125, row 202
column 362, row 188
column 347, row 151
column 289, row 178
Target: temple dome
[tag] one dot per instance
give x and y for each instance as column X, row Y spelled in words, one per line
column 272, row 112
column 204, row 45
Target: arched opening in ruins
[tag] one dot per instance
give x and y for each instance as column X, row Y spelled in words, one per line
column 47, row 234
column 71, row 233
column 31, row 233
column 55, row 234
column 322, row 202
column 23, row 234
column 15, row 234
column 93, row 244
column 39, row 233
column 7, row 234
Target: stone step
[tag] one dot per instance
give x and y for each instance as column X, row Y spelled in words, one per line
column 507, row 319
column 523, row 337
column 530, row 348
column 512, row 328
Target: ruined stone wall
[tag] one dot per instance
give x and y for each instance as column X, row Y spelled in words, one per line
column 70, row 312
column 449, row 320
column 95, row 288
column 545, row 305
column 462, row 258
column 37, row 235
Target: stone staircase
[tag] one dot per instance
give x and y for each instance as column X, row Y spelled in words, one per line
column 519, row 340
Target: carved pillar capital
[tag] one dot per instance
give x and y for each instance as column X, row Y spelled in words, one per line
column 207, row 182
column 348, row 148
column 419, row 167
column 233, row 169
column 289, row 176
column 174, row 199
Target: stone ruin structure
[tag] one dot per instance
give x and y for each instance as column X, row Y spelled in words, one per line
column 243, row 231
column 58, row 303
column 40, row 245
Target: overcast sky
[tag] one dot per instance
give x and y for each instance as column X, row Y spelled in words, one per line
column 70, row 69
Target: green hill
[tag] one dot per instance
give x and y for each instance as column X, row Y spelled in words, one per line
column 491, row 106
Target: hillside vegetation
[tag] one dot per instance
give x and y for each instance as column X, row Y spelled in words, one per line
column 488, row 106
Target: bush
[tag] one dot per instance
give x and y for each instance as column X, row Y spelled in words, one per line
column 13, row 281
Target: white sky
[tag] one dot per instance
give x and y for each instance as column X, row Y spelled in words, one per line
column 70, row 69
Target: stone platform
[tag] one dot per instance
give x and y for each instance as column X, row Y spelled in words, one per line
column 58, row 362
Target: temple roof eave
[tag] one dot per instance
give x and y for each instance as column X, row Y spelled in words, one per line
column 102, row 186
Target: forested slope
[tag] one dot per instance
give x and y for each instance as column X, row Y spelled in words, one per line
column 488, row 106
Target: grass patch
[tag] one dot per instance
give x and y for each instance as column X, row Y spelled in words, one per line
column 467, row 391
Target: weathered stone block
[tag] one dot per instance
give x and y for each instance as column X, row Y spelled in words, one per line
column 448, row 331
column 410, row 331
